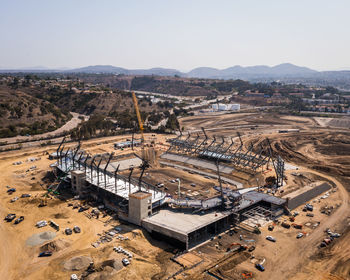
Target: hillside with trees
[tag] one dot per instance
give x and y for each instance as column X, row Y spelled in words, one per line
column 22, row 113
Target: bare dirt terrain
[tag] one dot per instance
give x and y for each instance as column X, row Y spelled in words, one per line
column 325, row 153
column 18, row 260
column 318, row 154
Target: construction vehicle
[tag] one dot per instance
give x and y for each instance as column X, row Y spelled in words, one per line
column 257, row 230
column 10, row 217
column 247, row 275
column 270, row 238
column 45, row 254
column 251, row 248
column 285, row 225
column 43, row 202
column 239, row 249
column 139, row 119
column 297, row 226
column 18, row 220
column 54, row 225
column 260, row 267
column 41, row 224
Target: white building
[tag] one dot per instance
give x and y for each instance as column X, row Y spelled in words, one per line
column 225, row 107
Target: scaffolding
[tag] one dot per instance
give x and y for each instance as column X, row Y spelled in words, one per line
column 258, row 212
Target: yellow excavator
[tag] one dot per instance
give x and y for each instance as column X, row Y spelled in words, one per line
column 139, row 119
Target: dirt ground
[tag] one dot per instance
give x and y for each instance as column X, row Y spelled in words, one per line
column 319, row 154
column 19, row 261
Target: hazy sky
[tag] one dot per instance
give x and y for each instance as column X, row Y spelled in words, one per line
column 181, row 34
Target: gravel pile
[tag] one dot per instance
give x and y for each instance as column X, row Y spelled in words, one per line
column 40, row 238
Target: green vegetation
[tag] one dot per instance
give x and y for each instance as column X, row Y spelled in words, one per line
column 97, row 125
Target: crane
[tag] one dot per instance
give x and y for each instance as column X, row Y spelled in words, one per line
column 134, row 99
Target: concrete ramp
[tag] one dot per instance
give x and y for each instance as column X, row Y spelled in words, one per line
column 124, row 164
column 198, row 162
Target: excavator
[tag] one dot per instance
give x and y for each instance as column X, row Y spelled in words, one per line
column 247, row 275
column 43, row 201
column 240, row 248
column 139, row 119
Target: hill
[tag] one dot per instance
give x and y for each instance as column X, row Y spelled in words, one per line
column 22, row 113
column 122, row 71
column 33, row 105
column 282, row 70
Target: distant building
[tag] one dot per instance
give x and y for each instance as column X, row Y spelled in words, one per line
column 126, row 144
column 297, row 94
column 226, row 107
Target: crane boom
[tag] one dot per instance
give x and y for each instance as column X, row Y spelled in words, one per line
column 134, row 99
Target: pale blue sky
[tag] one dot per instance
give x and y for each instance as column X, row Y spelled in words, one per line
column 181, row 34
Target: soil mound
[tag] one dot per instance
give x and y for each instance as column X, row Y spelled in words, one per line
column 55, row 246
column 77, row 263
column 341, row 122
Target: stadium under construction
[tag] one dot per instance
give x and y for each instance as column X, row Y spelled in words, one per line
column 181, row 221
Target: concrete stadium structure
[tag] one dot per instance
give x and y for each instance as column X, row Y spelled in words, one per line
column 182, row 222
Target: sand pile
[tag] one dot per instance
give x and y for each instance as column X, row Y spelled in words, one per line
column 55, row 246
column 40, row 238
column 77, row 263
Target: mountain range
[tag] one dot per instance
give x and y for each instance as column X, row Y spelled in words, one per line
column 285, row 72
column 281, row 70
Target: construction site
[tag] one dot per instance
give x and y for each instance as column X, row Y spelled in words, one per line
column 216, row 201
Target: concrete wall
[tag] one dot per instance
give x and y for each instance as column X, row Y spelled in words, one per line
column 140, row 207
column 78, row 181
column 308, row 195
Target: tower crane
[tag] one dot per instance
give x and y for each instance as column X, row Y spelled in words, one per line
column 134, row 99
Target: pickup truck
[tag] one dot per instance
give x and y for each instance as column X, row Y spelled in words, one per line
column 260, row 267
column 270, row 238
column 10, row 217
column 18, row 220
column 45, row 254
